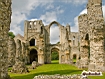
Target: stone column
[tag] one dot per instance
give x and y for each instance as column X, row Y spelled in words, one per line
column 27, row 58
column 11, row 52
column 19, row 56
column 5, row 19
column 23, row 51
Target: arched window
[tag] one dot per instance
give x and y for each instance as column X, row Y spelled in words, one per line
column 41, row 30
column 32, row 42
column 73, row 40
column 54, row 34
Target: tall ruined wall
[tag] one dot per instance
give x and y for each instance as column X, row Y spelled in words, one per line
column 34, row 35
column 5, row 19
column 11, row 52
column 84, row 40
column 96, row 24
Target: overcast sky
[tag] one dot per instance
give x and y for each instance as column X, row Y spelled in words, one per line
column 62, row 11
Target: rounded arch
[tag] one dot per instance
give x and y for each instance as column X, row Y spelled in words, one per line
column 55, row 54
column 55, row 49
column 33, row 55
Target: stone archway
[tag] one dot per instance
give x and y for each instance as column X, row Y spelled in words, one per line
column 55, row 54
column 33, row 55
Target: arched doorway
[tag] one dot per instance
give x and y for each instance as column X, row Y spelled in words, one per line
column 74, row 58
column 55, row 55
column 33, row 55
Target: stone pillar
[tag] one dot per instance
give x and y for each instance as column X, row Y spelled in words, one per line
column 5, row 19
column 11, row 52
column 23, row 51
column 97, row 41
column 27, row 60
column 40, row 58
column 19, row 56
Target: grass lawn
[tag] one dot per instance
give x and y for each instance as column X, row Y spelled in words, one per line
column 50, row 69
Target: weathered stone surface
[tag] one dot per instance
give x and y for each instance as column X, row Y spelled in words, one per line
column 11, row 52
column 59, row 77
column 87, row 46
column 92, row 37
column 34, row 64
column 5, row 19
column 19, row 66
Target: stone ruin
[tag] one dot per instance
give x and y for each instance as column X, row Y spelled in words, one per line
column 92, row 37
column 88, row 46
column 19, row 66
column 11, row 52
column 5, row 20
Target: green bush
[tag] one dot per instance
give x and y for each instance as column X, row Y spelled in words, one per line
column 11, row 34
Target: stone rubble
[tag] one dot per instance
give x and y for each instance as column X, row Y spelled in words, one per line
column 59, row 77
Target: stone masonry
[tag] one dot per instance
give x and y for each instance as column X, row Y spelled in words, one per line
column 92, row 37
column 87, row 46
column 11, row 52
column 5, row 20
column 19, row 66
column 97, row 39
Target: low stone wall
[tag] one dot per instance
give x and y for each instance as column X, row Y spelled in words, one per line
column 59, row 77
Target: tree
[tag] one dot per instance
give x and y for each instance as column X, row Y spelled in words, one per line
column 11, row 34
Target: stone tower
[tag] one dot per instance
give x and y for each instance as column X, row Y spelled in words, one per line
column 96, row 25
column 5, row 19
column 34, row 37
column 92, row 37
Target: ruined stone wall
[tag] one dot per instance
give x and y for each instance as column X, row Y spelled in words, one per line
column 11, row 52
column 74, row 37
column 96, row 24
column 5, row 19
column 35, row 30
column 84, row 33
column 92, row 37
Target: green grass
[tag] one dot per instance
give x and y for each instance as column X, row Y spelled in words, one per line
column 50, row 69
